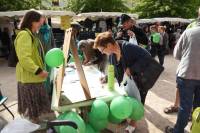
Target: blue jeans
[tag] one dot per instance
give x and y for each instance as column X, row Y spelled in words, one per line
column 189, row 91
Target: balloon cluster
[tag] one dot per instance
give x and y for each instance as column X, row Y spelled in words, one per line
column 100, row 115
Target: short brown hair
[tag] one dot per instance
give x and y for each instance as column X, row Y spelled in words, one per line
column 29, row 18
column 103, row 39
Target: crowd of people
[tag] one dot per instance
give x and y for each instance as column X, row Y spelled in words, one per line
column 129, row 49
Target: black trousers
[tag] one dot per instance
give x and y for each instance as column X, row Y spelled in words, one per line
column 159, row 51
column 143, row 92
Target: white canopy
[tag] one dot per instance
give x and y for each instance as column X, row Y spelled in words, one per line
column 168, row 19
column 97, row 15
column 143, row 21
column 49, row 13
column 182, row 20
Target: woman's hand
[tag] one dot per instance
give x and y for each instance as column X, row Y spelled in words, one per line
column 119, row 34
column 43, row 74
column 131, row 33
column 128, row 72
column 103, row 80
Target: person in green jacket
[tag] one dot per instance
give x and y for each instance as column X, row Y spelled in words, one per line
column 30, row 70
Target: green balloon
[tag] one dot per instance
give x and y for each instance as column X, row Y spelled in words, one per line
column 120, row 107
column 138, row 110
column 67, row 129
column 72, row 116
column 114, row 120
column 54, row 57
column 60, row 117
column 99, row 110
column 133, row 102
column 98, row 125
column 89, row 129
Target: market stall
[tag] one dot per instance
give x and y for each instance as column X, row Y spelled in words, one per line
column 96, row 22
column 79, row 96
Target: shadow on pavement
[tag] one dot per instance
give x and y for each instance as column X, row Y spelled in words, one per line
column 157, row 119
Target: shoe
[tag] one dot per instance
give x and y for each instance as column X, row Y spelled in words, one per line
column 130, row 129
column 171, row 109
column 169, row 129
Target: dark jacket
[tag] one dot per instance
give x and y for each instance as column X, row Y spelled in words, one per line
column 139, row 33
column 133, row 57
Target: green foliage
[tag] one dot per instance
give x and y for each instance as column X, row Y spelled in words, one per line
column 166, row 8
column 79, row 6
column 11, row 5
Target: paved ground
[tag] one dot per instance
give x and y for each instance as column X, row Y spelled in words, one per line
column 158, row 98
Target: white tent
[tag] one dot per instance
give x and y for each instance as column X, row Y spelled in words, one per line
column 143, row 21
column 6, row 17
column 182, row 20
column 48, row 13
column 97, row 15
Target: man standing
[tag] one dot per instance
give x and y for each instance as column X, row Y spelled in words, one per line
column 129, row 30
column 188, row 76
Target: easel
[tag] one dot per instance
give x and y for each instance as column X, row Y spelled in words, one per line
column 69, row 43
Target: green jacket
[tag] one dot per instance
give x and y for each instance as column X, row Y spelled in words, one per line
column 27, row 49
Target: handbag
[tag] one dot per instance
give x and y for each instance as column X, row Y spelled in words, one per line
column 150, row 74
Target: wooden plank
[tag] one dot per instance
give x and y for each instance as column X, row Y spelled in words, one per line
column 67, row 42
column 81, row 74
column 60, row 74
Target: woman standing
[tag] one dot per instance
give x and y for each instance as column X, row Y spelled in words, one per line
column 32, row 97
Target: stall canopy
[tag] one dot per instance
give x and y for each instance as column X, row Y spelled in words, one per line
column 98, row 15
column 182, row 20
column 48, row 13
column 165, row 19
column 144, row 21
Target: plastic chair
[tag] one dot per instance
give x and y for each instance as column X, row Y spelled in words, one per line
column 2, row 102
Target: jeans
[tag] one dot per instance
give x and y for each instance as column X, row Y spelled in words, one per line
column 189, row 91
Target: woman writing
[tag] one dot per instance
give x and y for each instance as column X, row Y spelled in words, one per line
column 126, row 58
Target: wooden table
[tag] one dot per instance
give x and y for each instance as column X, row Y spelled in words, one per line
column 72, row 95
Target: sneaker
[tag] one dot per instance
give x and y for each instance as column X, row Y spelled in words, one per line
column 169, row 129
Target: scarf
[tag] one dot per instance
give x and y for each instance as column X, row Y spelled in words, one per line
column 45, row 32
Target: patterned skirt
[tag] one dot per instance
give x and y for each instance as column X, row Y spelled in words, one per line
column 33, row 100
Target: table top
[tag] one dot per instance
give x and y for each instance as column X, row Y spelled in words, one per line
column 72, row 95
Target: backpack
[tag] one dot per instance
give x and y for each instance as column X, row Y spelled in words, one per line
column 155, row 38
column 196, row 121
column 13, row 59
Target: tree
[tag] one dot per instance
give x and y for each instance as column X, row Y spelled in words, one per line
column 11, row 5
column 79, row 6
column 166, row 8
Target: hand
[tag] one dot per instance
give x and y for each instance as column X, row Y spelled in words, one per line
column 103, row 80
column 43, row 74
column 88, row 64
column 128, row 72
column 131, row 33
column 119, row 34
